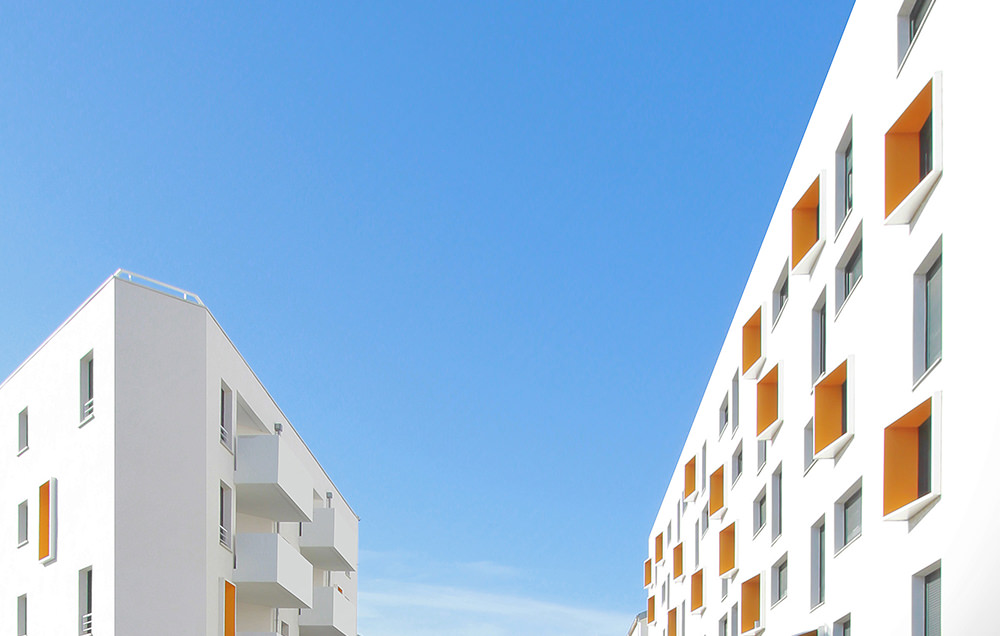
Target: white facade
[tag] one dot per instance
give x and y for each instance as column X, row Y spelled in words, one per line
column 841, row 407
column 168, row 479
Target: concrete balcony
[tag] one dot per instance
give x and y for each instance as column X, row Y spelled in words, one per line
column 330, row 540
column 272, row 573
column 271, row 481
column 332, row 614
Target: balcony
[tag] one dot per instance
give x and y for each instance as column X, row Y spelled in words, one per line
column 332, row 614
column 330, row 540
column 270, row 572
column 271, row 481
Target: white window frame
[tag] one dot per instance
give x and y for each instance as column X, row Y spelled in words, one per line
column 227, row 423
column 919, row 591
column 809, row 442
column 226, row 514
column 856, row 245
column 920, row 368
column 777, row 307
column 776, row 593
column 737, row 473
column 734, row 403
column 724, row 411
column 776, row 493
column 22, row 431
column 86, row 616
column 820, row 336
column 838, row 627
column 759, row 511
column 840, row 540
column 818, row 563
column 23, row 525
column 88, row 387
column 841, row 211
column 904, row 43
column 761, row 454
column 22, row 615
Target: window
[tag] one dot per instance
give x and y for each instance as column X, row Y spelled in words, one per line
column 849, row 269
column 651, row 609
column 753, row 357
column 285, row 629
column 698, row 591
column 22, row 615
column 86, row 600
column 761, row 454
column 704, row 472
column 913, row 158
column 678, row 560
column 670, row 532
column 911, row 478
column 769, row 404
column 663, row 592
column 808, row 458
column 225, row 515
column 22, row 523
column 818, row 583
column 842, row 627
column 738, row 462
column 725, row 588
column 833, row 426
column 697, row 543
column 736, row 402
column 734, row 620
column 852, row 271
column 759, row 512
column 22, row 431
column 750, row 598
column 849, row 517
column 647, row 571
column 704, row 521
column 779, row 580
column 779, row 297
column 658, row 547
column 226, row 417
column 717, row 495
column 724, row 625
column 819, row 338
column 776, row 504
column 807, row 229
column 727, row 550
column 87, row 388
column 927, row 315
column 910, row 19
column 672, row 622
column 723, row 415
column 927, row 603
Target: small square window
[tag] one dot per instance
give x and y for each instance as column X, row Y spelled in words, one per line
column 779, row 297
column 848, row 516
column 759, row 512
column 22, row 523
column 779, row 580
column 22, row 431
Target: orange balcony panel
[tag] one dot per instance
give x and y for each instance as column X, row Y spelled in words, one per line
column 658, row 547
column 651, row 609
column 717, row 491
column 44, row 534
column 678, row 560
column 751, row 342
column 697, row 590
column 727, row 549
column 230, row 610
column 672, row 622
column 805, row 223
column 648, row 567
column 689, row 478
column 767, row 401
column 901, row 462
column 830, row 422
column 902, row 150
column 750, row 601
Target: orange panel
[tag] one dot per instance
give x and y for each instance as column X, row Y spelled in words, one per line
column 751, row 341
column 902, row 445
column 230, row 615
column 658, row 544
column 727, row 548
column 717, row 491
column 689, row 478
column 805, row 223
column 829, row 406
column 902, row 150
column 678, row 560
column 43, row 521
column 697, row 590
column 767, row 400
column 651, row 609
column 751, row 603
column 672, row 622
column 648, row 567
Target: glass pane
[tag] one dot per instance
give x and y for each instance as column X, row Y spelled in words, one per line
column 848, row 178
column 852, row 517
column 926, row 148
column 932, row 314
column 924, row 459
column 932, row 604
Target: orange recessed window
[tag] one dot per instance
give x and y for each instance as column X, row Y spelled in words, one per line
column 651, row 609
column 230, row 611
column 697, row 590
column 678, row 560
column 909, row 149
column 751, row 341
column 805, row 223
column 648, row 567
column 830, row 422
column 727, row 549
column 672, row 622
column 907, row 459
column 689, row 478
column 750, row 600
column 44, row 534
column 767, row 400
column 658, row 547
column 717, row 491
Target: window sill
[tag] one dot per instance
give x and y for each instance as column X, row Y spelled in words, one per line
column 808, row 261
column 910, row 510
column 753, row 371
column 843, row 224
column 22, row 544
column 754, row 631
column 86, row 420
column 834, row 448
column 777, row 316
column 845, row 546
column 926, row 373
column 228, row 447
column 698, row 611
column 730, row 574
column 774, row 540
column 228, row 547
column 778, row 602
column 905, row 212
column 843, row 303
column 718, row 514
column 809, row 466
column 817, row 606
column 22, row 451
column 770, row 430
column 758, row 531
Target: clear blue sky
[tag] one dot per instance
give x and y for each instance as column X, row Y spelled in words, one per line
column 483, row 254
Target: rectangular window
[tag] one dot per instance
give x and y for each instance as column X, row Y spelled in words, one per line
column 759, row 512
column 926, row 148
column 86, row 601
column 704, row 521
column 779, row 296
column 761, row 454
column 725, row 588
column 808, row 459
column 735, row 407
column 87, row 387
column 697, row 543
column 818, row 583
column 723, row 415
column 779, row 580
column 225, row 515
column 911, row 448
column 22, row 615
column 930, row 589
column 852, row 271
column 226, row 416
column 734, row 620
column 932, row 314
column 22, row 431
column 738, row 462
column 916, row 17
column 852, row 518
column 848, row 178
column 924, row 458
column 776, row 504
column 22, row 523
column 724, row 625
column 842, row 627
column 704, row 466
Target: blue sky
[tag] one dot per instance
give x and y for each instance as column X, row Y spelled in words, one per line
column 482, row 254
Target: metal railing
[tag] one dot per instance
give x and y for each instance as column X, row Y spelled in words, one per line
column 226, row 436
column 224, row 535
column 132, row 277
column 87, row 624
column 88, row 409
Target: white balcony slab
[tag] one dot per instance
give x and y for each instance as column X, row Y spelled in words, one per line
column 330, row 540
column 271, row 481
column 271, row 572
column 332, row 614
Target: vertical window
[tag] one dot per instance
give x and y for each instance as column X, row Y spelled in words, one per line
column 808, row 458
column 779, row 296
column 932, row 314
column 852, row 271
column 724, row 625
column 663, row 593
column 776, row 504
column 697, row 544
column 22, row 615
column 22, row 431
column 845, row 177
column 284, row 628
column 852, row 518
column 225, row 515
column 738, row 462
column 779, row 580
column 22, row 523
column 87, row 387
column 761, row 454
column 926, row 148
column 818, row 583
column 725, row 588
column 226, row 416
column 850, row 268
column 723, row 415
column 86, row 601
column 842, row 627
column 759, row 512
column 819, row 338
column 924, row 458
column 849, row 178
column 704, row 465
column 735, row 407
column 928, row 596
column 734, row 619
column 916, row 17
column 704, row 521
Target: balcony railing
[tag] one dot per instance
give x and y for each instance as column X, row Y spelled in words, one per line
column 226, row 436
column 224, row 537
column 88, row 409
column 87, row 623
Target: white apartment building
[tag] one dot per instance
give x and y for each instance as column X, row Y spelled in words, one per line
column 837, row 474
column 150, row 485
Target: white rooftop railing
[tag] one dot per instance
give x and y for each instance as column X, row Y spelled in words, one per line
column 132, row 277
